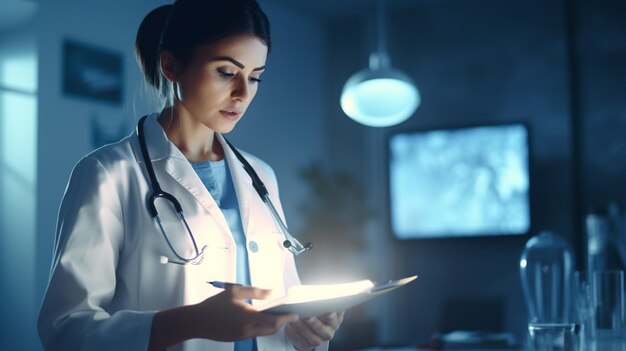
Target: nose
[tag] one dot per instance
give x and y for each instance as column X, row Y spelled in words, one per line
column 240, row 89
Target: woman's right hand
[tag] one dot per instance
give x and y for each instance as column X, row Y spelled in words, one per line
column 223, row 317
column 227, row 316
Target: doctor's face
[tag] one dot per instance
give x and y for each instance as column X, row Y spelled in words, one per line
column 218, row 84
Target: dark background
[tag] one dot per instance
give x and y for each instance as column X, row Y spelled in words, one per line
column 559, row 67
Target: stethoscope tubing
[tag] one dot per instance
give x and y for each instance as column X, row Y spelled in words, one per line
column 290, row 243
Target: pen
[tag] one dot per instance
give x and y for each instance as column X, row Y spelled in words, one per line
column 222, row 285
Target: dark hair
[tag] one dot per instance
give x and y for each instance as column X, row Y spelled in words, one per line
column 187, row 24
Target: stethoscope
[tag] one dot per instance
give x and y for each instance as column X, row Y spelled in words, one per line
column 290, row 243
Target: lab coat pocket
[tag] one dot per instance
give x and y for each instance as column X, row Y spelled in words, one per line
column 219, row 262
column 217, row 265
column 267, row 261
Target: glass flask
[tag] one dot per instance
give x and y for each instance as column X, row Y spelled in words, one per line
column 546, row 268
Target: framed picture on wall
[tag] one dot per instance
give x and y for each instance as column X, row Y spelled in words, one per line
column 92, row 73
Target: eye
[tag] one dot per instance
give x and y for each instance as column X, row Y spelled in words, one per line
column 256, row 80
column 225, row 74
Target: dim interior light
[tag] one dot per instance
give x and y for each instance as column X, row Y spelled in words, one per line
column 380, row 96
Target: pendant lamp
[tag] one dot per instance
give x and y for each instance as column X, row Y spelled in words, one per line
column 380, row 96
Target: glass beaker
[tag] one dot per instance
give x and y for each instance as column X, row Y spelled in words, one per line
column 609, row 324
column 582, row 303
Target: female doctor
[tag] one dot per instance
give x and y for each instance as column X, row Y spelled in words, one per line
column 123, row 280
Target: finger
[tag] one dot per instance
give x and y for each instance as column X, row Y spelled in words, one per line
column 333, row 319
column 298, row 337
column 340, row 317
column 292, row 335
column 248, row 292
column 325, row 332
column 267, row 324
column 309, row 337
column 274, row 321
column 328, row 317
column 287, row 318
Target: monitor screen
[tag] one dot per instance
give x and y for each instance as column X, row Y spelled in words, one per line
column 459, row 182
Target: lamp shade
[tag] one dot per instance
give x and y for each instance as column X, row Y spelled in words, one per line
column 380, row 97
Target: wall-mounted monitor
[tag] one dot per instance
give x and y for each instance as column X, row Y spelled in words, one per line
column 459, row 182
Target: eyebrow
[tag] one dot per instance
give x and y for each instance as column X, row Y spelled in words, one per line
column 236, row 63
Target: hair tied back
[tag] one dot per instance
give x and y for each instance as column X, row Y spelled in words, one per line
column 148, row 43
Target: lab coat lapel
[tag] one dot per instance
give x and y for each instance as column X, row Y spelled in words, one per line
column 167, row 159
column 242, row 183
column 184, row 174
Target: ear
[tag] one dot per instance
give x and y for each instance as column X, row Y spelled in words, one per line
column 169, row 66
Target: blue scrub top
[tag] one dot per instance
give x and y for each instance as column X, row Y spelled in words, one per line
column 217, row 179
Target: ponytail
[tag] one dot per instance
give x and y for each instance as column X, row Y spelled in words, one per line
column 148, row 46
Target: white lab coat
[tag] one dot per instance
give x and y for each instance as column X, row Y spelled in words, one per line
column 107, row 281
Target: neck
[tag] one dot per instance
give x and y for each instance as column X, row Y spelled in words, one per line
column 195, row 140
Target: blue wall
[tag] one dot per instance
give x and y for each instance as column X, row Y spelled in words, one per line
column 18, row 168
column 602, row 61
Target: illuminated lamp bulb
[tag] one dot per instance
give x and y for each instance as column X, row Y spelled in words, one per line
column 379, row 96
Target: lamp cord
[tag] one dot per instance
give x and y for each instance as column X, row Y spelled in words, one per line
column 382, row 45
column 379, row 59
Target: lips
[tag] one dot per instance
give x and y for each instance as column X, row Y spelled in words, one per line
column 232, row 115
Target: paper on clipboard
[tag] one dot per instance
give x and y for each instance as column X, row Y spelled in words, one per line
column 315, row 300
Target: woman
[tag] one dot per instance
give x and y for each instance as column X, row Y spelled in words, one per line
column 121, row 280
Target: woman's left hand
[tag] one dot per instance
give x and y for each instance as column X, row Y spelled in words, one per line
column 311, row 332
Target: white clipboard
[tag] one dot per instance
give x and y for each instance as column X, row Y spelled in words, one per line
column 316, row 300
